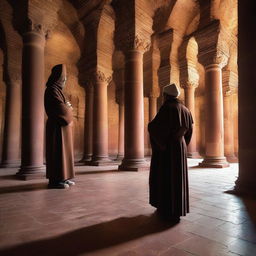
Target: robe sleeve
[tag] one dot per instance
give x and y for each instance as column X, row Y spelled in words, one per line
column 159, row 129
column 57, row 108
column 189, row 132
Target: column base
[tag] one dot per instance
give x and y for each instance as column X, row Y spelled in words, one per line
column 101, row 161
column 232, row 159
column 214, row 162
column 134, row 165
column 86, row 158
column 193, row 155
column 84, row 161
column 119, row 158
column 11, row 164
column 31, row 172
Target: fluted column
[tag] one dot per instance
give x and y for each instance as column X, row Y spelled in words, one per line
column 120, row 154
column 32, row 104
column 134, row 110
column 214, row 129
column 190, row 104
column 88, row 124
column 100, row 119
column 11, row 139
column 228, row 127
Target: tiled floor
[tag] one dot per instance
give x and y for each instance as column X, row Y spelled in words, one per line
column 107, row 213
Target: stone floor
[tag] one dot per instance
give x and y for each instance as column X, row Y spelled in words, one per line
column 107, row 213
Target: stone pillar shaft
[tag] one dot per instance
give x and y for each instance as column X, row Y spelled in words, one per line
column 100, row 122
column 32, row 105
column 88, row 124
column 11, row 140
column 214, row 129
column 228, row 129
column 134, row 112
column 190, row 104
column 121, row 131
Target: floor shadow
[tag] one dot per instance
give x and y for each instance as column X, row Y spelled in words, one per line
column 23, row 188
column 92, row 238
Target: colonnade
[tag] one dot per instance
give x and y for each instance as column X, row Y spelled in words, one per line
column 131, row 114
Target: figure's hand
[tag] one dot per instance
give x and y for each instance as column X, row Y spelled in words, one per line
column 69, row 104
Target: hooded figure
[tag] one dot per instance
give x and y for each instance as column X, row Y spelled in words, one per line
column 170, row 133
column 59, row 141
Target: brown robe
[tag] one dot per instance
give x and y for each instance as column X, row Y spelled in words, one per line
column 170, row 133
column 59, row 137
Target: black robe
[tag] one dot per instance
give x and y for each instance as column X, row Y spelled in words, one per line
column 170, row 133
column 59, row 130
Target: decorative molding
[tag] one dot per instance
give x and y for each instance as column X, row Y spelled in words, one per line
column 213, row 46
column 132, row 42
column 37, row 28
column 141, row 44
column 101, row 76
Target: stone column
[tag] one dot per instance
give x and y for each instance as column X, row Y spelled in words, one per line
column 246, row 181
column 228, row 127
column 100, row 119
column 120, row 155
column 152, row 103
column 214, row 129
column 88, row 124
column 190, row 104
column 33, row 87
column 213, row 54
column 11, row 139
column 134, row 110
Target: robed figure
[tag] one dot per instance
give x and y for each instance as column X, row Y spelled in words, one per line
column 59, row 134
column 170, row 133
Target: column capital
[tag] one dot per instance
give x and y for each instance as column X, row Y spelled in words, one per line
column 37, row 28
column 215, row 58
column 100, row 76
column 34, row 34
column 213, row 46
column 136, row 43
column 190, row 84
